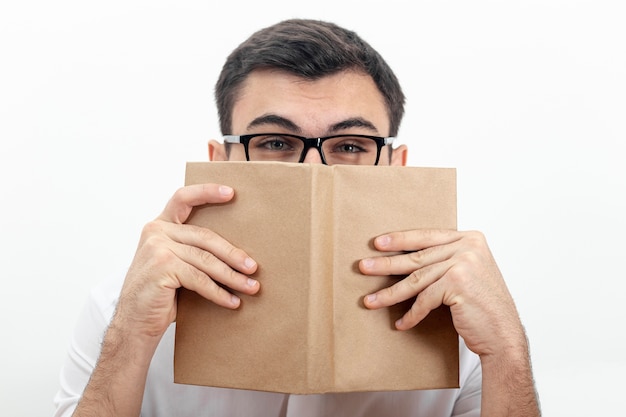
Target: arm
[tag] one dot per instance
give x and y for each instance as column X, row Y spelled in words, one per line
column 170, row 254
column 458, row 270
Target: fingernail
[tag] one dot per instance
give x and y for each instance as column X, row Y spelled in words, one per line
column 251, row 282
column 399, row 322
column 225, row 190
column 249, row 263
column 368, row 263
column 383, row 240
column 234, row 300
column 370, row 298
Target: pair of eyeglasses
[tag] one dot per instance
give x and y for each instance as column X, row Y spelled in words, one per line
column 334, row 150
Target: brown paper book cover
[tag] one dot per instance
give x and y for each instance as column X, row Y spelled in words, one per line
column 307, row 331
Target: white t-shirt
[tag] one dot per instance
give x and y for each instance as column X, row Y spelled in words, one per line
column 165, row 398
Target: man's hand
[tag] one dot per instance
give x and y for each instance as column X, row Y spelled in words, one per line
column 451, row 268
column 457, row 269
column 172, row 254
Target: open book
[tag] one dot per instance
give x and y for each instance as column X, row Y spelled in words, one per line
column 307, row 331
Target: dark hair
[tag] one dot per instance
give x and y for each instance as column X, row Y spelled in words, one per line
column 310, row 49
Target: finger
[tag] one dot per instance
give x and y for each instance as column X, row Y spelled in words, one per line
column 409, row 287
column 426, row 301
column 185, row 199
column 205, row 250
column 405, row 263
column 215, row 269
column 196, row 280
column 414, row 240
column 212, row 243
column 158, row 266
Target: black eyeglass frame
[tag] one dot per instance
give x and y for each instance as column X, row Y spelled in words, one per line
column 309, row 142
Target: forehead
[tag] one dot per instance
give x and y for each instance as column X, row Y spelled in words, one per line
column 312, row 105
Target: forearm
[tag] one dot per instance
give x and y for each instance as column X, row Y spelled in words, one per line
column 508, row 384
column 117, row 383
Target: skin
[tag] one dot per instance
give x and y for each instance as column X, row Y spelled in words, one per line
column 442, row 267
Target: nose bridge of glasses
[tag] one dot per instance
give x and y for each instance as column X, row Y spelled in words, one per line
column 312, row 151
column 312, row 143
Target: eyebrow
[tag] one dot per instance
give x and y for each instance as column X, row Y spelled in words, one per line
column 353, row 122
column 273, row 119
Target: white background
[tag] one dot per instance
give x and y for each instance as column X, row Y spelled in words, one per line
column 102, row 103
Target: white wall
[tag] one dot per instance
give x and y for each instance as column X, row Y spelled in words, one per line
column 102, row 103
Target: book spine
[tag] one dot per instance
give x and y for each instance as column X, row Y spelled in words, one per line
column 320, row 366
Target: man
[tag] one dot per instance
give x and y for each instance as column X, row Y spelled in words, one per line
column 295, row 80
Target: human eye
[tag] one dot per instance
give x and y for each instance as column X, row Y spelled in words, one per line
column 353, row 150
column 275, row 147
column 273, row 143
column 351, row 145
column 348, row 147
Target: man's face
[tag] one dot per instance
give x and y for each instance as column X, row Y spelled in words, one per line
column 272, row 101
